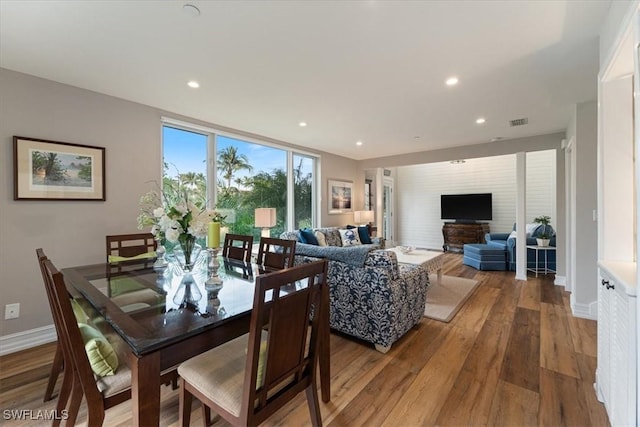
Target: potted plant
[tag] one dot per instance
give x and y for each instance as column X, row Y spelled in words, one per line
column 543, row 237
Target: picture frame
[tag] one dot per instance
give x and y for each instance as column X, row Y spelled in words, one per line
column 340, row 196
column 53, row 170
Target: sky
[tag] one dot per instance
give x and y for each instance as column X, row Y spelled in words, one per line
column 187, row 152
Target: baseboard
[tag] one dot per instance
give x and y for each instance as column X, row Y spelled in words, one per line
column 560, row 281
column 584, row 311
column 27, row 339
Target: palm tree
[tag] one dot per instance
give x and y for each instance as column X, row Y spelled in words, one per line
column 192, row 179
column 230, row 162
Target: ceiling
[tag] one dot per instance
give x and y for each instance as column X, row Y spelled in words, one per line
column 370, row 71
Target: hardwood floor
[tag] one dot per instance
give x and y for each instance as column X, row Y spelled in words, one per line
column 512, row 356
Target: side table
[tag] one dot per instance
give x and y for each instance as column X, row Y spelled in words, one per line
column 537, row 268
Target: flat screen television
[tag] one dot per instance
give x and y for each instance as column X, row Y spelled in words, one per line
column 466, row 207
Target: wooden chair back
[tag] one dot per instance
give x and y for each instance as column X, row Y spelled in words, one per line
column 237, row 246
column 288, row 306
column 84, row 382
column 130, row 245
column 62, row 357
column 276, row 253
column 289, row 315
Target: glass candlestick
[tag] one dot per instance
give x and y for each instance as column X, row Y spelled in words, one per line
column 160, row 263
column 214, row 281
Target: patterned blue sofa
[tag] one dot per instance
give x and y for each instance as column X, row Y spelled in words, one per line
column 377, row 301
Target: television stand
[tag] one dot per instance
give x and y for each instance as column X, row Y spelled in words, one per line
column 458, row 234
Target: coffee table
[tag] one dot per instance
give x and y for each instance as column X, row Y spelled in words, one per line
column 429, row 260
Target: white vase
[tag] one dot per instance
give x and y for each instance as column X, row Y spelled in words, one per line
column 543, row 242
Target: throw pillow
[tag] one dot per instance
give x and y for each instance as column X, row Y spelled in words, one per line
column 322, row 240
column 333, row 236
column 102, row 357
column 349, row 237
column 307, row 236
column 363, row 232
column 78, row 312
column 531, row 228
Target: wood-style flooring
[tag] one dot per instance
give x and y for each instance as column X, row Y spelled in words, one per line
column 512, row 356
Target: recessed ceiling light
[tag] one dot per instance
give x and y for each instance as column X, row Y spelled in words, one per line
column 497, row 138
column 416, row 137
column 193, row 84
column 457, row 162
column 452, row 81
column 302, row 124
column 480, row 120
column 191, row 10
column 359, row 143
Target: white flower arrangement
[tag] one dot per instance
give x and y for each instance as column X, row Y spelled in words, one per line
column 171, row 220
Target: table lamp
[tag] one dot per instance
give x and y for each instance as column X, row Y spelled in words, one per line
column 363, row 217
column 265, row 219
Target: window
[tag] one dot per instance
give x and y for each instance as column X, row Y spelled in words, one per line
column 303, row 205
column 241, row 176
column 251, row 176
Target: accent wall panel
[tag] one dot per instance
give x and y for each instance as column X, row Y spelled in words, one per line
column 419, row 187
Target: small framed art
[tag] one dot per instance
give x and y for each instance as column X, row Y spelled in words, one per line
column 340, row 196
column 51, row 170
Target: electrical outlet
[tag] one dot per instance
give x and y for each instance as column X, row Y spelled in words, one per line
column 12, row 311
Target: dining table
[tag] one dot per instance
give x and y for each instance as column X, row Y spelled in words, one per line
column 166, row 316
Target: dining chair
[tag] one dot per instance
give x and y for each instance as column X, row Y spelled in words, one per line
column 62, row 356
column 276, row 253
column 248, row 379
column 120, row 247
column 237, row 246
column 100, row 392
column 122, row 250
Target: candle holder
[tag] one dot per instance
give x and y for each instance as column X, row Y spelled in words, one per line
column 160, row 263
column 214, row 282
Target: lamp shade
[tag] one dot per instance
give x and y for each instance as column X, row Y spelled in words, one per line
column 363, row 217
column 265, row 217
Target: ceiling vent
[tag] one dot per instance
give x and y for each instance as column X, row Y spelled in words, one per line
column 518, row 122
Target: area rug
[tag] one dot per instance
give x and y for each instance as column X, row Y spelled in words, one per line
column 444, row 300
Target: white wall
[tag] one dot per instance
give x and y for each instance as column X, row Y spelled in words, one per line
column 73, row 233
column 583, row 129
column 419, row 188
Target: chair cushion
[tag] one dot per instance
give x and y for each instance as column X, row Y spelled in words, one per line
column 117, row 258
column 102, row 357
column 219, row 373
column 121, row 380
column 146, row 296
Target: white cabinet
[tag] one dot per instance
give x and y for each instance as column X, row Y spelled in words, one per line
column 616, row 372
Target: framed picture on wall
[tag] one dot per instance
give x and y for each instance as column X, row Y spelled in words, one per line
column 367, row 195
column 51, row 170
column 340, row 196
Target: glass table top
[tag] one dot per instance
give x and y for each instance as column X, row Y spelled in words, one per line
column 150, row 308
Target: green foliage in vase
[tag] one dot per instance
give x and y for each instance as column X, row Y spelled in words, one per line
column 545, row 220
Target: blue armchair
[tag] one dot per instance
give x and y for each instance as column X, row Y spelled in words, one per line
column 507, row 242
